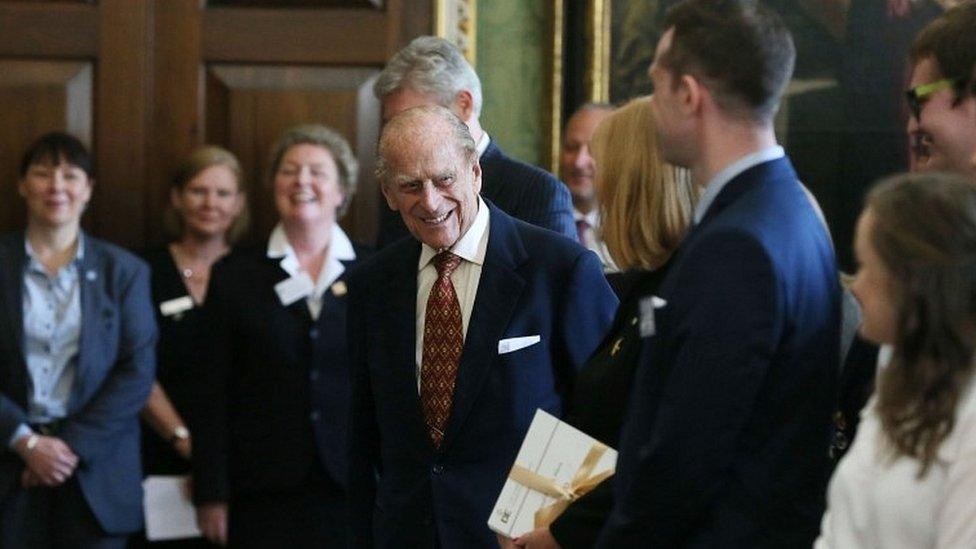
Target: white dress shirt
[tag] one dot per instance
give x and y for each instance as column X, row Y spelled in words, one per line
column 340, row 249
column 874, row 501
column 593, row 240
column 471, row 248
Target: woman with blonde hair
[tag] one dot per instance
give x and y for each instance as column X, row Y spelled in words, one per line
column 646, row 207
column 206, row 216
column 908, row 480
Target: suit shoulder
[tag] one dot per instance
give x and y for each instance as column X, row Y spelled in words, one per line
column 374, row 263
column 122, row 258
column 547, row 243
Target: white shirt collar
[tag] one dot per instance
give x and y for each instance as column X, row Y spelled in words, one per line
column 79, row 251
column 592, row 218
column 729, row 173
column 483, row 143
column 340, row 249
column 472, row 246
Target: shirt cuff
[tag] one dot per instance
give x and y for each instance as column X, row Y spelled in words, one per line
column 22, row 431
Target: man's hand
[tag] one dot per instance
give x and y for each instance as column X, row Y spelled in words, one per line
column 212, row 520
column 540, row 538
column 503, row 542
column 50, row 462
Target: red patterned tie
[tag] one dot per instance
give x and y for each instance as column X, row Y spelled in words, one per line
column 443, row 341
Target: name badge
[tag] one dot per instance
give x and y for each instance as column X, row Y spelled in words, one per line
column 647, row 326
column 176, row 306
column 292, row 289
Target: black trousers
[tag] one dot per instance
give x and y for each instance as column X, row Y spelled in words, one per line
column 52, row 518
column 313, row 517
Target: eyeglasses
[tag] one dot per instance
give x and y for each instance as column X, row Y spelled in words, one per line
column 918, row 95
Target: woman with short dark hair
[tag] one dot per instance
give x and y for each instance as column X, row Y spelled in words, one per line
column 76, row 364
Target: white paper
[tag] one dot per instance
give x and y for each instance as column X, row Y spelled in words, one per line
column 515, row 343
column 554, row 450
column 176, row 306
column 294, row 288
column 169, row 512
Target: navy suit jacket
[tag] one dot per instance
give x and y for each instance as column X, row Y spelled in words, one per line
column 726, row 437
column 116, row 368
column 522, row 191
column 274, row 391
column 533, row 282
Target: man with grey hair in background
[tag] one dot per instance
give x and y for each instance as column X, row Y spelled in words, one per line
column 431, row 71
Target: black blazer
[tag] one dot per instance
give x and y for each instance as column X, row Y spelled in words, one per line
column 522, row 191
column 275, row 384
column 116, row 367
column 600, row 403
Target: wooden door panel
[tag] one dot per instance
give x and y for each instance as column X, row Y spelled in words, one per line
column 38, row 97
column 249, row 107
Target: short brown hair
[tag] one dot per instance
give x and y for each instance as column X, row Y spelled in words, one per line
column 645, row 203
column 195, row 163
column 950, row 40
column 739, row 48
column 328, row 139
column 924, row 233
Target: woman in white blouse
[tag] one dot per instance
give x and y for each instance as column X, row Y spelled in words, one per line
column 909, row 480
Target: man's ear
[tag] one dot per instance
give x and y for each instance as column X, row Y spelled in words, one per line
column 691, row 94
column 389, row 196
column 476, row 171
column 463, row 105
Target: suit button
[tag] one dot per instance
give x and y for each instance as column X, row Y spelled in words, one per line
column 313, row 375
column 313, row 333
column 315, row 415
column 438, row 469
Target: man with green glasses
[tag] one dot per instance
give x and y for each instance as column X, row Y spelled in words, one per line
column 942, row 111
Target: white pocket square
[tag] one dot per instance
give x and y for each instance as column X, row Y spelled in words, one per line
column 515, row 343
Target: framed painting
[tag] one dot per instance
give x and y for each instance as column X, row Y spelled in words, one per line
column 842, row 118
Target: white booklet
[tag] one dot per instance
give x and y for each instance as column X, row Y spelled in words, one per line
column 556, row 464
column 169, row 512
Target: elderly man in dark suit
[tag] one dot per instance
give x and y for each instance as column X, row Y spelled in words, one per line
column 725, row 443
column 431, row 71
column 456, row 337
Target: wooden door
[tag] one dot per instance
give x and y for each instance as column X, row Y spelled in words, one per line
column 143, row 82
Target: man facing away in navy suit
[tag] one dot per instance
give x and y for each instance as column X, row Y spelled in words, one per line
column 726, row 437
column 431, row 71
column 457, row 336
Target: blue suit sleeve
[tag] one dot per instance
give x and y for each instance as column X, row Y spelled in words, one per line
column 125, row 390
column 724, row 321
column 587, row 309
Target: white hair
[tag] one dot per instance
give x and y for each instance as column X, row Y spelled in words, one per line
column 431, row 65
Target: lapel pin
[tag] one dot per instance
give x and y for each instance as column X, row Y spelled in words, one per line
column 339, row 288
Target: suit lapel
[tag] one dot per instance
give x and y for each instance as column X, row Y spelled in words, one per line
column 90, row 275
column 498, row 294
column 400, row 330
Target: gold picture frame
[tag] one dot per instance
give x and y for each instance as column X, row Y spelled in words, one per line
column 456, row 20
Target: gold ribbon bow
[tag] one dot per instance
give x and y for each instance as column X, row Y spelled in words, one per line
column 583, row 481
